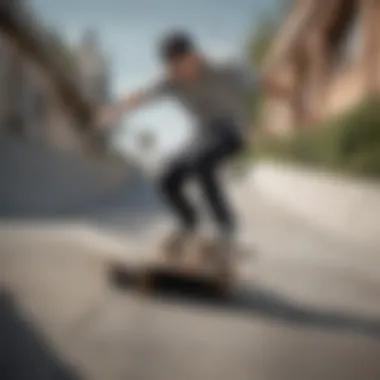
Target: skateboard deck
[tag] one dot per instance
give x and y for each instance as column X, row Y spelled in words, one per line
column 196, row 273
column 194, row 266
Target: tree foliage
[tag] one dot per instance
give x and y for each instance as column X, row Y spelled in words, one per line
column 266, row 29
column 348, row 143
column 261, row 41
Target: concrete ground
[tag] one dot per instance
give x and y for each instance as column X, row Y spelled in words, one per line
column 310, row 308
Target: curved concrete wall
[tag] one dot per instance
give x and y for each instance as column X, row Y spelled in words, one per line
column 38, row 181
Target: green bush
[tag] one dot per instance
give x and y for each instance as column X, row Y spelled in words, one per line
column 366, row 163
column 349, row 143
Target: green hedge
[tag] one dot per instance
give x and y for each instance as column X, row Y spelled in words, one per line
column 349, row 143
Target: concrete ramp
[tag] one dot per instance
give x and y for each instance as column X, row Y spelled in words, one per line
column 309, row 310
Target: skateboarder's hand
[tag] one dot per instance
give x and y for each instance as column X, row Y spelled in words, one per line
column 109, row 115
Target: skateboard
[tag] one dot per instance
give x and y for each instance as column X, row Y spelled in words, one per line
column 197, row 265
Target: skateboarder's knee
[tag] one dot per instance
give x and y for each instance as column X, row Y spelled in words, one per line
column 172, row 182
column 204, row 164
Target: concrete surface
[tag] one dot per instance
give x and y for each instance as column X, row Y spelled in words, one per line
column 310, row 309
column 345, row 207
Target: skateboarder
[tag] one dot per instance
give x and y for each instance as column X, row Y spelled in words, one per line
column 216, row 95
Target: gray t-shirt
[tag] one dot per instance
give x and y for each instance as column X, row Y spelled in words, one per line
column 221, row 92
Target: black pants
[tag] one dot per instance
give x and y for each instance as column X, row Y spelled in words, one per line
column 201, row 163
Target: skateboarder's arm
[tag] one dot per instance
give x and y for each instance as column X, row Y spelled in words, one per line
column 110, row 115
column 252, row 82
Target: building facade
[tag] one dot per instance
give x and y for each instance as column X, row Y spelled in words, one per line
column 30, row 105
column 328, row 53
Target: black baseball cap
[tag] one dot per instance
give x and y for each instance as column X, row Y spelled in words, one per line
column 175, row 45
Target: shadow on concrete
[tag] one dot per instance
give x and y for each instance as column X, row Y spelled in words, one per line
column 254, row 301
column 24, row 355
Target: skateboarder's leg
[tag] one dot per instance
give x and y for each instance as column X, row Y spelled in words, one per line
column 172, row 185
column 219, row 148
column 217, row 200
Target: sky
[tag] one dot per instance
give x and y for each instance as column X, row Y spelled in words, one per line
column 129, row 31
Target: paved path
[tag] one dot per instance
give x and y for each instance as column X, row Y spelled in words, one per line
column 311, row 309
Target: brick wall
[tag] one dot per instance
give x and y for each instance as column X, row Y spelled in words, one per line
column 333, row 77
